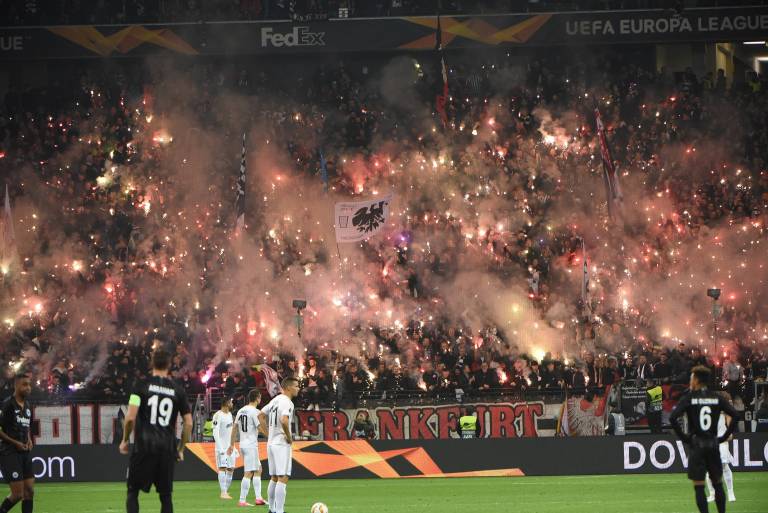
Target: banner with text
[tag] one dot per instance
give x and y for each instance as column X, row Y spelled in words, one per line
column 385, row 34
column 425, row 458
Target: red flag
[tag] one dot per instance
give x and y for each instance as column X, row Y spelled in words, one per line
column 441, row 99
column 611, row 179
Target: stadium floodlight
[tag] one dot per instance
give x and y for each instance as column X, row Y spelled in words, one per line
column 299, row 304
column 714, row 293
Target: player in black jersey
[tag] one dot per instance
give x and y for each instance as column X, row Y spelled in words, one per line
column 703, row 409
column 15, row 446
column 153, row 408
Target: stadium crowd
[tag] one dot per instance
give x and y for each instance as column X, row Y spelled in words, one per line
column 119, row 250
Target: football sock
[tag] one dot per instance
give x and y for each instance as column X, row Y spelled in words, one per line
column 223, row 481
column 720, row 498
column 728, row 478
column 701, row 499
column 245, row 487
column 132, row 502
column 271, row 495
column 7, row 505
column 280, row 491
column 257, row 486
column 166, row 504
column 26, row 506
column 229, row 480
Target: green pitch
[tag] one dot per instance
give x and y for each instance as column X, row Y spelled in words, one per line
column 587, row 494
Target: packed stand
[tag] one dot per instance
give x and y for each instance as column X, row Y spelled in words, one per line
column 120, row 250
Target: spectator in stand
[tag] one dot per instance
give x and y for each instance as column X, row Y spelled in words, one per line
column 733, row 375
column 363, row 428
column 430, row 378
column 486, row 379
column 642, row 370
column 662, row 370
column 551, row 377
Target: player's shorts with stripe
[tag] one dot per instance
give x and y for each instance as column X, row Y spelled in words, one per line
column 151, row 468
column 280, row 459
column 16, row 466
column 251, row 461
column 223, row 460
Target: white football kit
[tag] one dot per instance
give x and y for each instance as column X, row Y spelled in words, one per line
column 725, row 454
column 222, row 435
column 247, row 421
column 279, row 452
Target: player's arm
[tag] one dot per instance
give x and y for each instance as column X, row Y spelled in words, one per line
column 674, row 418
column 130, row 421
column 727, row 408
column 216, row 433
column 261, row 425
column 285, row 422
column 235, row 431
column 186, row 434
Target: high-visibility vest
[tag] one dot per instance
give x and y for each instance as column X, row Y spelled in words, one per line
column 657, row 395
column 208, row 429
column 468, row 424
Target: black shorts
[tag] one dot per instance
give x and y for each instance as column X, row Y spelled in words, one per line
column 703, row 462
column 147, row 469
column 16, row 466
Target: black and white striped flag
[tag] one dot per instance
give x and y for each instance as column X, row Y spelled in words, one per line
column 240, row 199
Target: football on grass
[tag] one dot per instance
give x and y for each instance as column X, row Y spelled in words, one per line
column 319, row 507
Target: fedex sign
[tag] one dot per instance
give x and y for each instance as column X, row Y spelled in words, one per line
column 299, row 36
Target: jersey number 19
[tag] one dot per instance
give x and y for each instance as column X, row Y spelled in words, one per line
column 162, row 406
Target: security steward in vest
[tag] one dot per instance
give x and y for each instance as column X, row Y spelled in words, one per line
column 468, row 424
column 655, row 405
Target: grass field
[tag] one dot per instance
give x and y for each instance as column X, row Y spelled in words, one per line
column 588, row 494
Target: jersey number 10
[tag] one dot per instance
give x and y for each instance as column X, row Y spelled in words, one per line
column 162, row 406
column 244, row 424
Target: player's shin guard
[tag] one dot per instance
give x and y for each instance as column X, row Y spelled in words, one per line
column 132, row 502
column 280, row 493
column 271, row 495
column 230, row 475
column 257, row 486
column 719, row 497
column 245, row 487
column 166, row 504
column 701, row 498
column 7, row 505
column 223, row 481
column 728, row 478
column 27, row 506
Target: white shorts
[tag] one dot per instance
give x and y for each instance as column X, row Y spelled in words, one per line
column 725, row 454
column 226, row 461
column 280, row 460
column 251, row 461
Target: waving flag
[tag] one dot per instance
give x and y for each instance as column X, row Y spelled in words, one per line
column 584, row 277
column 240, row 199
column 272, row 379
column 7, row 236
column 441, row 99
column 359, row 220
column 323, row 170
column 610, row 178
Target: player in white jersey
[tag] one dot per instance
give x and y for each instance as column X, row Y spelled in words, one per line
column 278, row 414
column 249, row 427
column 725, row 458
column 222, row 435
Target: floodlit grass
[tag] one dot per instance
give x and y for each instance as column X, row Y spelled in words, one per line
column 663, row 493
